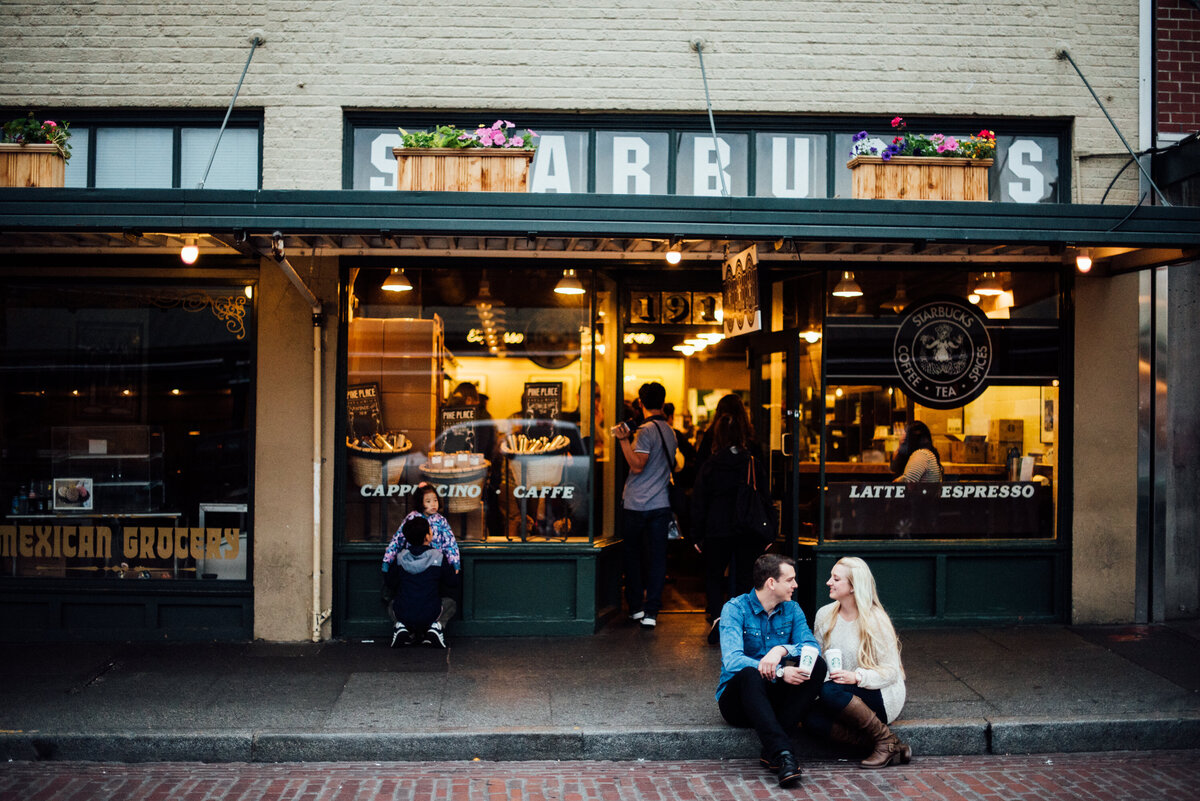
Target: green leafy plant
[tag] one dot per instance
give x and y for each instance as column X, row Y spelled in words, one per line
column 500, row 134
column 28, row 130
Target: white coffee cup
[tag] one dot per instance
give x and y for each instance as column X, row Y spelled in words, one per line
column 833, row 657
column 808, row 658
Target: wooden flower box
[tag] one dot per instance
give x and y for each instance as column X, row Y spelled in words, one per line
column 919, row 178
column 477, row 169
column 31, row 165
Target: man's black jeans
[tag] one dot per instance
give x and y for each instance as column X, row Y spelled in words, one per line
column 645, row 558
column 773, row 709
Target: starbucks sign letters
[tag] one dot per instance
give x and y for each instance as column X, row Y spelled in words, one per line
column 943, row 352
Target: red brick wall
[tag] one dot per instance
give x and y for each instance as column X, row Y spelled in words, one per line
column 1177, row 70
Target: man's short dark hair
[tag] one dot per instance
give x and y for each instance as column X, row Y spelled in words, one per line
column 652, row 395
column 768, row 566
column 415, row 530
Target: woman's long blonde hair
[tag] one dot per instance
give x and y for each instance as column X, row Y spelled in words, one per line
column 874, row 626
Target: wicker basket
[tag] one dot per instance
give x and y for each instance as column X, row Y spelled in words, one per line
column 442, row 477
column 368, row 466
column 536, row 469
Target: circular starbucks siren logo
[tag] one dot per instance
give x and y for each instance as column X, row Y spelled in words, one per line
column 943, row 352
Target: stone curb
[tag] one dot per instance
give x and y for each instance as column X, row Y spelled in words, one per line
column 948, row 737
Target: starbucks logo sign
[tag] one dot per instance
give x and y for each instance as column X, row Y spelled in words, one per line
column 943, row 352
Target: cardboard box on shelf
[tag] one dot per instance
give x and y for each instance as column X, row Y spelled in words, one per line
column 998, row 451
column 969, row 452
column 1003, row 429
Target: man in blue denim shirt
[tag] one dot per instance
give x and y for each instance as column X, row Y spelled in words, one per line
column 758, row 631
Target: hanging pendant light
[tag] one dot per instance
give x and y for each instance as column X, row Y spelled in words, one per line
column 674, row 252
column 397, row 281
column 189, row 252
column 988, row 284
column 847, row 287
column 898, row 302
column 569, row 284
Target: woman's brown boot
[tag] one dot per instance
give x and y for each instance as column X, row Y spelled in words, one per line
column 886, row 746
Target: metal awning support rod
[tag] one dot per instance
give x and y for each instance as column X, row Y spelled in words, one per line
column 698, row 45
column 1064, row 55
column 257, row 39
column 277, row 253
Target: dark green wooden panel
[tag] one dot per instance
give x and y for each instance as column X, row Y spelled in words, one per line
column 907, row 586
column 531, row 589
column 103, row 615
column 208, row 618
column 998, row 586
column 16, row 616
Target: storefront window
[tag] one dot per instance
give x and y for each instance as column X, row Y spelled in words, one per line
column 124, row 431
column 479, row 383
column 968, row 361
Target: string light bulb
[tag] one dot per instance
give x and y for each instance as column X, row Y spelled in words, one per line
column 674, row 255
column 1083, row 260
column 189, row 252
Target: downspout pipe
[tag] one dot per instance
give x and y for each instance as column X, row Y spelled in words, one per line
column 319, row 615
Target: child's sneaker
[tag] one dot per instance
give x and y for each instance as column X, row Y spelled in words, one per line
column 435, row 636
column 401, row 635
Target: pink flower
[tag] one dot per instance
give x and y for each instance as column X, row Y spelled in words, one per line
column 951, row 143
column 517, row 141
column 50, row 123
column 531, row 132
column 897, row 122
column 498, row 138
column 498, row 125
column 485, row 137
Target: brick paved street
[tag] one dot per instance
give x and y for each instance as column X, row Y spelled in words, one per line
column 1158, row 775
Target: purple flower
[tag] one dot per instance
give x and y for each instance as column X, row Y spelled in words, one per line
column 861, row 135
column 886, row 156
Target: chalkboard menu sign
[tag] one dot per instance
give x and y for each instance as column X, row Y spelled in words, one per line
column 542, row 400
column 457, row 431
column 362, row 410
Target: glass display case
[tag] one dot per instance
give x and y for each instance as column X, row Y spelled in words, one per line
column 107, row 469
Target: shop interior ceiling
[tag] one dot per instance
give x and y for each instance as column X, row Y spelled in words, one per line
column 566, row 247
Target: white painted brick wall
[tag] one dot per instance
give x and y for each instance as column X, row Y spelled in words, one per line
column 993, row 60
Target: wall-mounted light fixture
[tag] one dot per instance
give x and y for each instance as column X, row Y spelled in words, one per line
column 396, row 281
column 847, row 287
column 189, row 252
column 569, row 284
column 812, row 336
column 1083, row 260
column 674, row 251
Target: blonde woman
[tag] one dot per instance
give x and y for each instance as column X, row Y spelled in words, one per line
column 858, row 701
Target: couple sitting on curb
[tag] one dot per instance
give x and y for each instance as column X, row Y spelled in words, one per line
column 851, row 704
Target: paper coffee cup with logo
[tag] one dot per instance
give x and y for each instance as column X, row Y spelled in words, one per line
column 808, row 658
column 833, row 657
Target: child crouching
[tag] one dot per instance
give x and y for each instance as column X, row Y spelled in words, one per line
column 422, row 579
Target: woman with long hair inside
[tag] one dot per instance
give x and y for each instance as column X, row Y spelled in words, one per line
column 867, row 693
column 917, row 459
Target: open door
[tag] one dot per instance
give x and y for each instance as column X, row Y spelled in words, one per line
column 783, row 386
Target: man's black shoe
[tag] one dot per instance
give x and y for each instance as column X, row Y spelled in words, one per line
column 789, row 771
column 769, row 762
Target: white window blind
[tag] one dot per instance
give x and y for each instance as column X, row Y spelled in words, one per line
column 77, row 167
column 139, row 158
column 235, row 165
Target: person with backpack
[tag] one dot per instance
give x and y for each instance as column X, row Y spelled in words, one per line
column 716, row 525
column 422, row 580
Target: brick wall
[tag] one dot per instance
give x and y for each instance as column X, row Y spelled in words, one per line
column 1177, row 66
column 820, row 57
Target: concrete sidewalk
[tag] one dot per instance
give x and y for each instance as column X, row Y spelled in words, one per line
column 620, row 694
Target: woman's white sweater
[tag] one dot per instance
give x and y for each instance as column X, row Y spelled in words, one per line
column 887, row 679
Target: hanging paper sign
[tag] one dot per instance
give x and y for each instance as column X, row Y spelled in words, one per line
column 739, row 281
column 943, row 352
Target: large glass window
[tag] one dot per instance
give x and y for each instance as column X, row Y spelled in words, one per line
column 967, row 360
column 125, row 414
column 477, row 382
